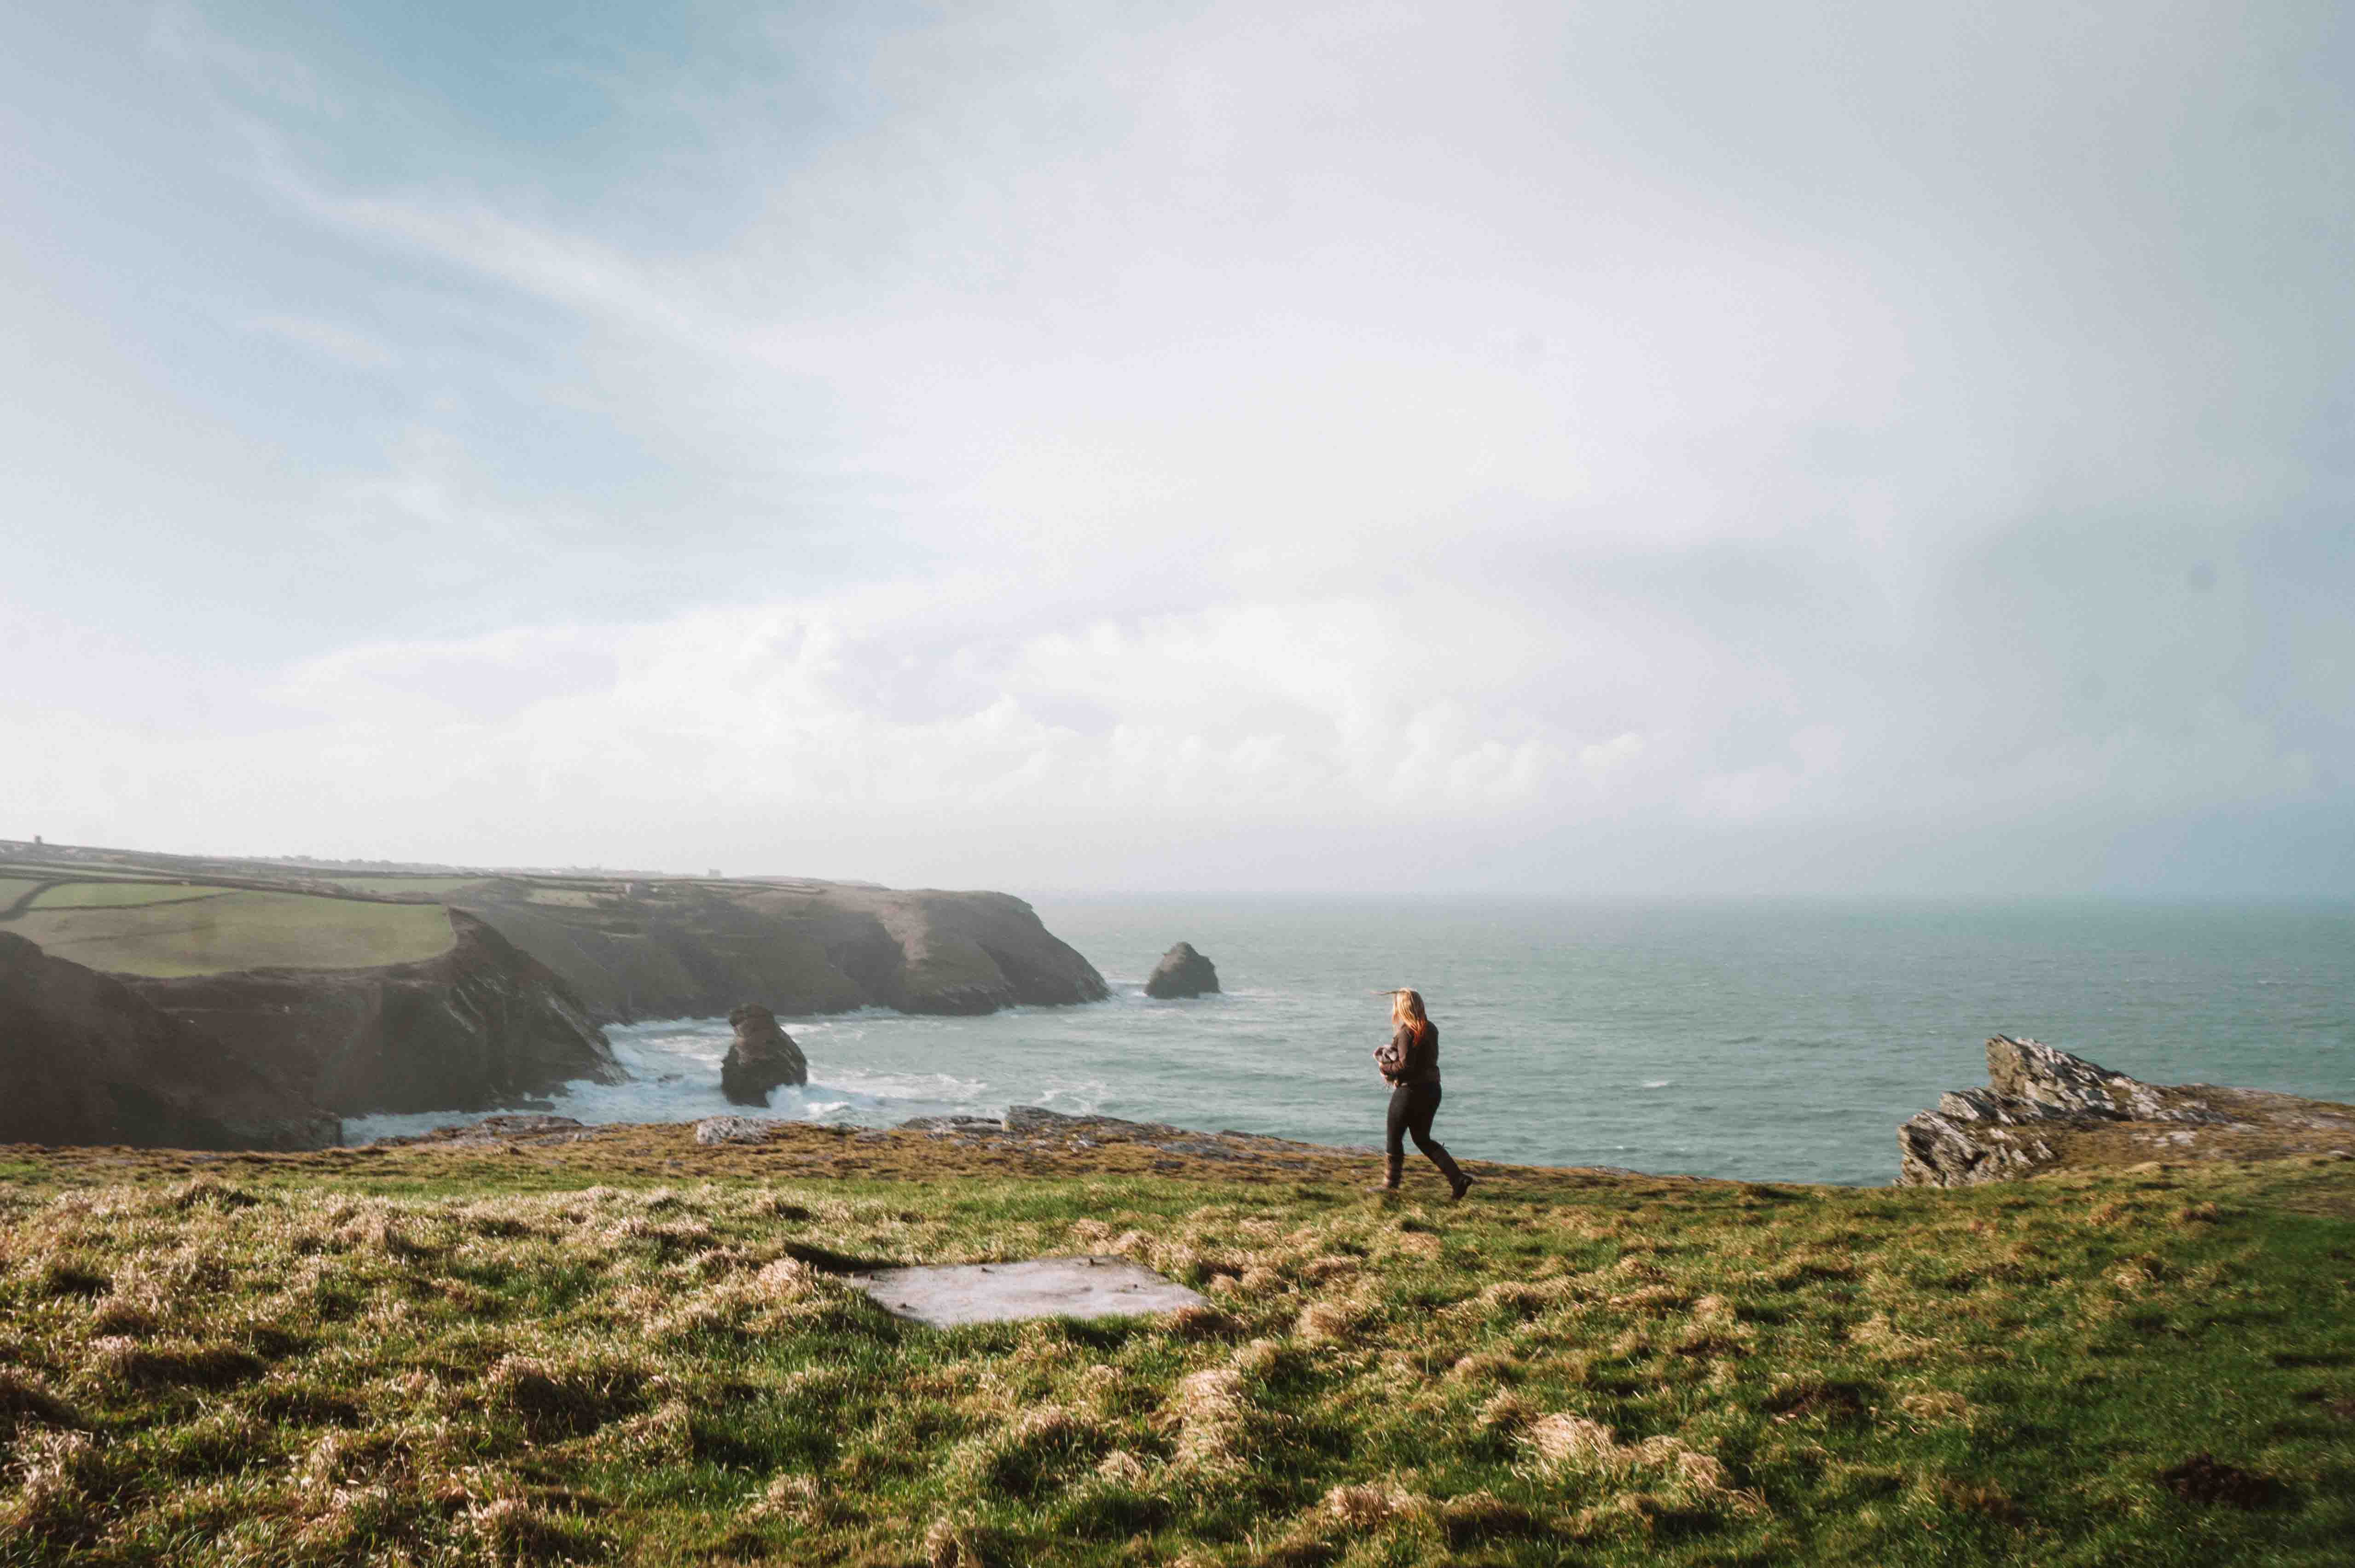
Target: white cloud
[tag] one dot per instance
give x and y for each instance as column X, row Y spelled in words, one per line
column 1009, row 432
column 345, row 345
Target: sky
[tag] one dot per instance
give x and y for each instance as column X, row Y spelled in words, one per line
column 1560, row 448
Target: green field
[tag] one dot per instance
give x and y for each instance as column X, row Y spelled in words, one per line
column 632, row 1350
column 239, row 930
column 120, row 894
column 433, row 885
column 568, row 898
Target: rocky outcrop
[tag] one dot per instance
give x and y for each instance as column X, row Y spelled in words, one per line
column 2044, row 1109
column 1182, row 972
column 508, row 1131
column 481, row 1026
column 736, row 1129
column 1035, row 1129
column 761, row 1056
column 86, row 1059
column 680, row 949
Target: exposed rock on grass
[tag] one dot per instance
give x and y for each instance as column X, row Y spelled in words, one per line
column 2045, row 1110
column 713, row 1130
column 1037, row 1130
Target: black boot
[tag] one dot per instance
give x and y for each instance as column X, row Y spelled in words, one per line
column 1458, row 1184
column 1394, row 1167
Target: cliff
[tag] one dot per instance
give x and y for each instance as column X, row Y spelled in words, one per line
column 2046, row 1110
column 683, row 949
column 86, row 1059
column 366, row 989
column 480, row 1026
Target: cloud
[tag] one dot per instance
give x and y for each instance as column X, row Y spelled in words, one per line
column 1549, row 446
column 343, row 343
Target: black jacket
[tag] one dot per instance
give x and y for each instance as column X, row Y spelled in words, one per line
column 1407, row 1059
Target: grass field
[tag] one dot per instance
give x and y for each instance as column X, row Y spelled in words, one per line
column 435, row 886
column 120, row 894
column 568, row 898
column 239, row 930
column 632, row 1350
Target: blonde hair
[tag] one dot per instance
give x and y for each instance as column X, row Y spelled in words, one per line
column 1406, row 1008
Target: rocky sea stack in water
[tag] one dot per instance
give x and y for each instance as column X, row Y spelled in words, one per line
column 2047, row 1110
column 1182, row 972
column 763, row 1057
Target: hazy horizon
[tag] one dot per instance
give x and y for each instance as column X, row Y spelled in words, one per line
column 1512, row 448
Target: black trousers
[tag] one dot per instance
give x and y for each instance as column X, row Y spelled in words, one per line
column 1411, row 1108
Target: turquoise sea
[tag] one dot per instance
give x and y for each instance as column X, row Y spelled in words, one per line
column 1774, row 1039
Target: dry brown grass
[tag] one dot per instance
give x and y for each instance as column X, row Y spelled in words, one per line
column 430, row 1357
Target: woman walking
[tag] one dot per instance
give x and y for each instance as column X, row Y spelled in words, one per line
column 1410, row 1064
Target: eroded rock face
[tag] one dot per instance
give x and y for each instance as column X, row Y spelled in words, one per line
column 85, row 1060
column 1182, row 972
column 481, row 1026
column 2045, row 1108
column 678, row 950
column 763, row 1057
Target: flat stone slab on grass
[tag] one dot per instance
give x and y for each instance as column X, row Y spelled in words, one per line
column 948, row 1297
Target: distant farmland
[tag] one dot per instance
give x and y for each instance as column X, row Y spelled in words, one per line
column 169, row 931
column 435, row 886
column 120, row 894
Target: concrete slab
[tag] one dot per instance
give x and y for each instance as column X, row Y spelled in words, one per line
column 1093, row 1286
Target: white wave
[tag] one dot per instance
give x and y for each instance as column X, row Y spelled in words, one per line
column 1658, row 1083
column 674, row 1069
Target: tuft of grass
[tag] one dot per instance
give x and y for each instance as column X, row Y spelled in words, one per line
column 631, row 1351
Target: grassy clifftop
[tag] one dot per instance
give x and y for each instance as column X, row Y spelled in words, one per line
column 628, row 945
column 629, row 1349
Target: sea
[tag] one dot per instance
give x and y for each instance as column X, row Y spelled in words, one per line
column 1776, row 1039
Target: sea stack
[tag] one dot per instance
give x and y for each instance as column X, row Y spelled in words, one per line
column 763, row 1057
column 1182, row 972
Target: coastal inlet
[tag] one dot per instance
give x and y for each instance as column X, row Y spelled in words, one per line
column 1755, row 1039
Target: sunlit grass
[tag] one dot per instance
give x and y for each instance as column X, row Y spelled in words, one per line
column 435, row 1358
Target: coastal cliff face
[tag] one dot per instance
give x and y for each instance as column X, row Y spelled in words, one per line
column 481, row 1026
column 86, row 1059
column 2046, row 1110
column 684, row 950
column 363, row 989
